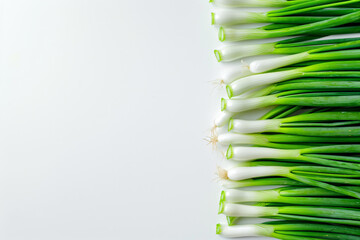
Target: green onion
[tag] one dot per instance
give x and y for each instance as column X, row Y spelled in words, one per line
column 312, row 124
column 284, row 229
column 245, row 153
column 322, row 177
column 275, row 196
column 228, row 34
column 233, row 52
column 321, row 53
column 270, row 140
column 326, row 69
column 320, row 99
column 347, row 216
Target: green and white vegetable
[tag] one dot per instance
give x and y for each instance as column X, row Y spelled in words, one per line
column 311, row 124
column 333, row 215
column 233, row 34
column 238, row 51
column 308, row 137
column 322, row 177
column 335, row 69
column 277, row 196
column 290, row 230
column 321, row 99
column 317, row 154
column 321, row 53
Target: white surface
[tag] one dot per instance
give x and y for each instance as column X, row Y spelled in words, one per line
column 103, row 107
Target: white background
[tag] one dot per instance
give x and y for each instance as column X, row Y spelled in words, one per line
column 104, row 105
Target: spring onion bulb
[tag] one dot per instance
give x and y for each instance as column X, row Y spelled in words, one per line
column 242, row 70
column 223, row 118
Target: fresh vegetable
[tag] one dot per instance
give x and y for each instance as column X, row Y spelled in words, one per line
column 232, row 34
column 322, row 53
column 238, row 51
column 289, row 230
column 307, row 133
column 311, row 124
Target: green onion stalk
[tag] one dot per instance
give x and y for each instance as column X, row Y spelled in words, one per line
column 231, row 17
column 340, row 155
column 333, row 11
column 327, row 178
column 313, row 84
column 290, row 230
column 334, row 124
column 276, row 140
column 334, row 69
column 278, row 195
column 309, row 6
column 341, row 51
column 289, row 101
column 312, row 99
column 330, row 215
column 231, row 34
column 238, row 51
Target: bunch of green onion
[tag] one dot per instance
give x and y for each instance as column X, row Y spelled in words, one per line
column 301, row 157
